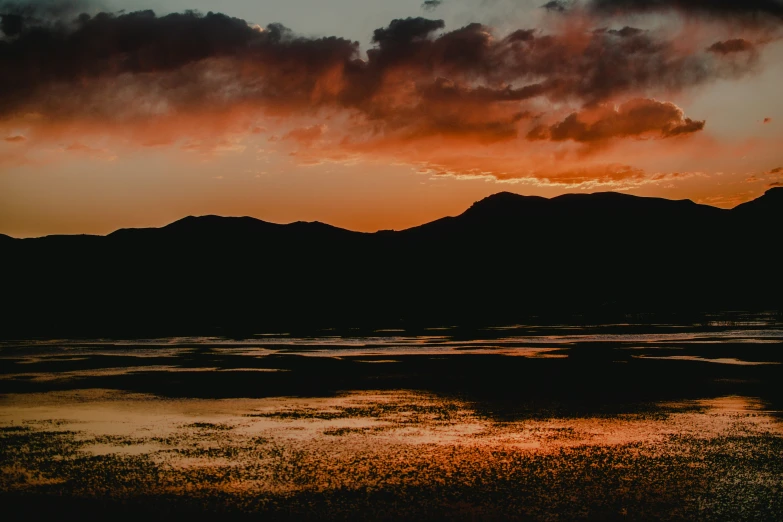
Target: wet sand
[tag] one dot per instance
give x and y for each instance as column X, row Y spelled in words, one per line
column 617, row 422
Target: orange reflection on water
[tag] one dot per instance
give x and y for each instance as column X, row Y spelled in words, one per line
column 360, row 420
column 355, row 441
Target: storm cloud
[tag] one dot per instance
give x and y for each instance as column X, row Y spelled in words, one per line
column 178, row 57
column 736, row 45
column 419, row 80
column 723, row 8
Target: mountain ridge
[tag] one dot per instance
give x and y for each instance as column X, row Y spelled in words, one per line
column 498, row 203
column 506, row 259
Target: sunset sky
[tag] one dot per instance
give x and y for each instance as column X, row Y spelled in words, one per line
column 377, row 114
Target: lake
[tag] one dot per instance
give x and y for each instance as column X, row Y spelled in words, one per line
column 529, row 422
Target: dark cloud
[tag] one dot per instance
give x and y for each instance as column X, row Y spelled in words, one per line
column 767, row 120
column 777, row 170
column 52, row 57
column 11, row 24
column 736, row 45
column 726, row 8
column 626, row 32
column 415, row 80
column 636, row 118
column 521, row 35
column 451, row 109
column 403, row 32
column 15, row 17
column 559, row 6
column 776, row 184
column 431, row 5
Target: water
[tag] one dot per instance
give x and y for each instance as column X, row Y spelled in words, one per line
column 526, row 422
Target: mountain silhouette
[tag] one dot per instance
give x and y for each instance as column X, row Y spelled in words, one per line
column 770, row 205
column 507, row 258
column 572, row 213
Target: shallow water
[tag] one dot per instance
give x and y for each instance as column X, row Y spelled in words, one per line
column 525, row 422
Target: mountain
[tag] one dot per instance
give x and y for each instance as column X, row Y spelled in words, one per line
column 770, row 205
column 575, row 213
column 228, row 230
column 505, row 259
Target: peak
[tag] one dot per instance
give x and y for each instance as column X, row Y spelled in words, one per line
column 770, row 201
column 499, row 196
column 504, row 205
column 212, row 220
column 773, row 196
column 604, row 196
column 504, row 198
column 509, row 199
column 203, row 219
column 310, row 224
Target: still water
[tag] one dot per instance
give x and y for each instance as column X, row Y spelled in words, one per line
column 524, row 422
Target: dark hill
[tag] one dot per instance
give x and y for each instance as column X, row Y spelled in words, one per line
column 604, row 212
column 506, row 258
column 235, row 232
column 769, row 205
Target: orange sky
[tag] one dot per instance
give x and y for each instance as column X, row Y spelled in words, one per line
column 126, row 121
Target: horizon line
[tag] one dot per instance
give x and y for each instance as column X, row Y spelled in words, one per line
column 381, row 230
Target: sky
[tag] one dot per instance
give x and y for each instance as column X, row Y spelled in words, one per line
column 371, row 114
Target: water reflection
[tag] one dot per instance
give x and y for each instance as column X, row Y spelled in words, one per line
column 582, row 424
column 112, row 422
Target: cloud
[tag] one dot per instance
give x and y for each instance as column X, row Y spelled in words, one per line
column 604, row 175
column 404, row 32
column 776, row 184
column 626, row 32
column 559, row 6
column 637, row 118
column 18, row 16
column 420, row 92
column 771, row 174
column 720, row 8
column 767, row 120
column 597, row 175
column 117, row 67
column 736, row 45
column 15, row 139
column 431, row 5
column 162, row 63
column 672, row 176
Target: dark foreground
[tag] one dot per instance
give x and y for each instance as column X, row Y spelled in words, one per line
column 602, row 423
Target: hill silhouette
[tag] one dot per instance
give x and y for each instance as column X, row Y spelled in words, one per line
column 507, row 258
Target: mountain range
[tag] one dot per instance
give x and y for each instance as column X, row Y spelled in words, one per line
column 508, row 258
